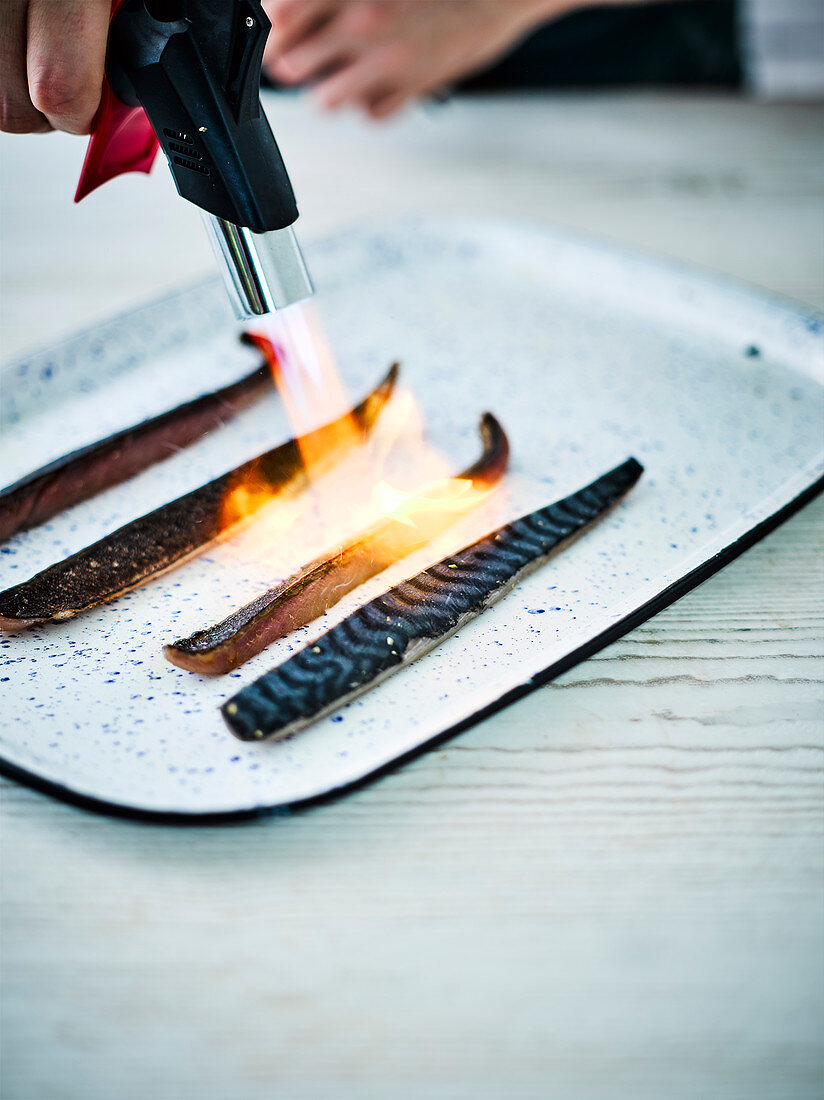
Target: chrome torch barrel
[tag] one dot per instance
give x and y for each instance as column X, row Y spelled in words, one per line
column 263, row 272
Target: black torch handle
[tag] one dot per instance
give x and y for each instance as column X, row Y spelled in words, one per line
column 194, row 67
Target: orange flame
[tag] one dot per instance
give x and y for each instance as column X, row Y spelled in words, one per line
column 395, row 482
column 294, row 345
column 455, row 494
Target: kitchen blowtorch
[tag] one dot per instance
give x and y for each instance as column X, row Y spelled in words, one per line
column 184, row 76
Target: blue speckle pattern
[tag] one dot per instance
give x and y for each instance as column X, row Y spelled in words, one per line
column 88, row 361
column 586, row 354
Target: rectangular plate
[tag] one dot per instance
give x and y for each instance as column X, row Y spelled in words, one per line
column 586, row 354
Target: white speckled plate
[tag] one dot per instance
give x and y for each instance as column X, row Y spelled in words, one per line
column 586, row 354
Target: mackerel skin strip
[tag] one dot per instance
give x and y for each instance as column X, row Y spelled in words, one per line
column 416, row 615
column 175, row 532
column 322, row 583
column 89, row 470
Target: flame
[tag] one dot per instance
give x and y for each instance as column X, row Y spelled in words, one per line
column 395, row 487
column 245, row 500
column 240, row 502
column 411, row 520
column 294, row 344
column 455, row 494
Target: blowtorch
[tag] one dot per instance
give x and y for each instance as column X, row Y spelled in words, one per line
column 184, row 76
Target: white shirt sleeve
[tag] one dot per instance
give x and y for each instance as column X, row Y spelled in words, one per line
column 783, row 47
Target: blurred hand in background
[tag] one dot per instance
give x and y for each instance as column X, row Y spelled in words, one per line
column 379, row 54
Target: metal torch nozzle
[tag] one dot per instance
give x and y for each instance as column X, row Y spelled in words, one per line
column 263, row 272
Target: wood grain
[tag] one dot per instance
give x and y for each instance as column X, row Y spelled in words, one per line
column 610, row 891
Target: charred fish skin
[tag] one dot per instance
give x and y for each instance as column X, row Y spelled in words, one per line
column 174, row 532
column 84, row 473
column 322, row 583
column 415, row 616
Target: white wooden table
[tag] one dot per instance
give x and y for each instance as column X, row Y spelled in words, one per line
column 613, row 889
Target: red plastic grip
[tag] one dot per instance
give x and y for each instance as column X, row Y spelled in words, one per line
column 122, row 140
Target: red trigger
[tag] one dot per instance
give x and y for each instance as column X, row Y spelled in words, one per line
column 122, row 140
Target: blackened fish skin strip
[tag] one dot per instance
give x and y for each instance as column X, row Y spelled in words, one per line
column 89, row 470
column 171, row 534
column 322, row 583
column 416, row 615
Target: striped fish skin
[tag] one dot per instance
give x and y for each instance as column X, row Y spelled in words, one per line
column 149, row 546
column 416, row 615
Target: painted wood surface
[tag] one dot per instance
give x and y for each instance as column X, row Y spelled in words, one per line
column 612, row 889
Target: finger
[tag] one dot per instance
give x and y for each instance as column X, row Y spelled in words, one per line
column 315, row 56
column 384, row 106
column 376, row 75
column 355, row 84
column 66, row 55
column 293, row 21
column 18, row 115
